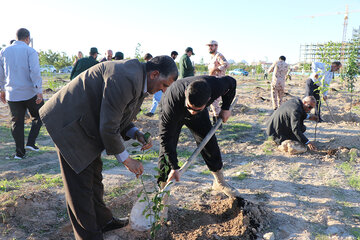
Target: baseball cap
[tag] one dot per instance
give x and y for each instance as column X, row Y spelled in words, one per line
column 212, row 42
column 93, row 50
column 189, row 49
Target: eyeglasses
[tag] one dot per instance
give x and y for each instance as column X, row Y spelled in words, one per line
column 195, row 110
column 309, row 107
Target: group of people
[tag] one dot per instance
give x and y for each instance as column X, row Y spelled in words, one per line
column 95, row 111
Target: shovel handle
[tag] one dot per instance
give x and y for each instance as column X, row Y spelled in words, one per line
column 204, row 141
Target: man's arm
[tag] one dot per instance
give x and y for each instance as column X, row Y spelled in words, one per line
column 2, row 81
column 35, row 75
column 296, row 128
column 223, row 62
column 74, row 70
column 271, row 69
column 169, row 130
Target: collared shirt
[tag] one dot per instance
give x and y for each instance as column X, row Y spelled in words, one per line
column 280, row 69
column 218, row 62
column 20, row 72
column 121, row 157
column 323, row 70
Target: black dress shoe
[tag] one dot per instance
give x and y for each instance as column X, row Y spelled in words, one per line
column 115, row 223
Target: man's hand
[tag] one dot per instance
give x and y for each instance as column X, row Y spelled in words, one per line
column 141, row 139
column 311, row 146
column 134, row 166
column 39, row 98
column 316, row 76
column 224, row 115
column 325, row 98
column 2, row 97
column 314, row 118
column 174, row 174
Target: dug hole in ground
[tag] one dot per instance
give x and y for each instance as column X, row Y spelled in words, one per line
column 314, row 195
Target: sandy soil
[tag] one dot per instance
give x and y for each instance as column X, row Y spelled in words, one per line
column 314, row 195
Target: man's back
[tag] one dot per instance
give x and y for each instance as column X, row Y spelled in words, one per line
column 82, row 65
column 286, row 118
column 20, row 71
column 185, row 67
column 280, row 71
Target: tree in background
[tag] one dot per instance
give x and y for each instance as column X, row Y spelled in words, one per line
column 139, row 53
column 351, row 68
column 58, row 60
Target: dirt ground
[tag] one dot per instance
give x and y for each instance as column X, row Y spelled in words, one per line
column 315, row 195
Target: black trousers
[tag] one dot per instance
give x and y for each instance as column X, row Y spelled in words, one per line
column 288, row 136
column 199, row 126
column 84, row 199
column 311, row 90
column 18, row 110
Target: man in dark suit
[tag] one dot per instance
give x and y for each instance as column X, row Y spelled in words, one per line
column 95, row 112
column 287, row 122
column 85, row 63
column 185, row 103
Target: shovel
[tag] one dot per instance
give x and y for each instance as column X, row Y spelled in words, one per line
column 138, row 221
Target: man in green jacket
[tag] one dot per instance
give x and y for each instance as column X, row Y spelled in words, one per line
column 85, row 63
column 186, row 68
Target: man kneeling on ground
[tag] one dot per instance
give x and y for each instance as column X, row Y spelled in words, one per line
column 287, row 122
column 185, row 103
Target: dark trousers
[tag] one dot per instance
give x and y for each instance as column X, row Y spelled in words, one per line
column 288, row 136
column 199, row 126
column 84, row 199
column 18, row 110
column 311, row 90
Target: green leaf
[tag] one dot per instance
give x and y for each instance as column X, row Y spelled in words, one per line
column 135, row 144
column 147, row 136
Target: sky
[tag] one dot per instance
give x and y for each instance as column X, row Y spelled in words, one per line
column 250, row 30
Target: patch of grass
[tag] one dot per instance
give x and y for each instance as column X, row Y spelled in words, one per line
column 346, row 168
column 184, row 153
column 110, row 162
column 146, row 156
column 268, row 146
column 355, row 232
column 334, row 183
column 47, row 181
column 118, row 191
column 294, row 174
column 322, row 237
column 241, row 176
column 354, row 181
column 9, row 185
column 206, row 172
column 235, row 130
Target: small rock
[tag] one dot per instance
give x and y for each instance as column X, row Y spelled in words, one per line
column 269, row 236
column 354, row 155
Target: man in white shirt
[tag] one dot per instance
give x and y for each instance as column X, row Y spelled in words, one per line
column 21, row 87
column 321, row 73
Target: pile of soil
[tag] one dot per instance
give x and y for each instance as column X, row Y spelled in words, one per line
column 214, row 217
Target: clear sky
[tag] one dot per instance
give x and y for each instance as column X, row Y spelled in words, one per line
column 251, row 30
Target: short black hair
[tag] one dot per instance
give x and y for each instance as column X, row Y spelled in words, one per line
column 174, row 53
column 198, row 93
column 164, row 64
column 282, row 58
column 148, row 56
column 337, row 63
column 22, row 34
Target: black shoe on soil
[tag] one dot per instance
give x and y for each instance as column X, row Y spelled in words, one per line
column 115, row 223
column 32, row 148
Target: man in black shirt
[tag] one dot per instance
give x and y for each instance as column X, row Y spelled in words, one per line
column 185, row 103
column 287, row 122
